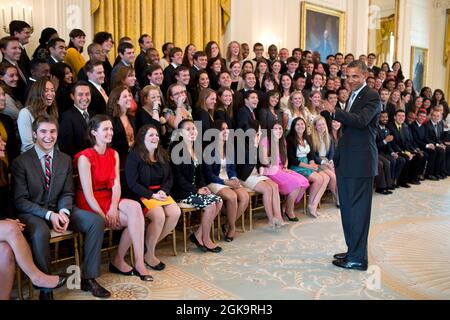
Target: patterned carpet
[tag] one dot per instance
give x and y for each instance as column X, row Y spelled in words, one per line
column 409, row 258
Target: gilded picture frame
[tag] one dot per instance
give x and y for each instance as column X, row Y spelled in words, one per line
column 419, row 67
column 322, row 29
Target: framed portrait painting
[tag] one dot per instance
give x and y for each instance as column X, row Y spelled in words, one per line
column 419, row 66
column 322, row 30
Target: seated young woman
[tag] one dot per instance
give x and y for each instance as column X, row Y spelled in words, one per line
column 300, row 158
column 149, row 178
column 251, row 175
column 190, row 188
column 323, row 148
column 222, row 180
column 289, row 182
column 99, row 191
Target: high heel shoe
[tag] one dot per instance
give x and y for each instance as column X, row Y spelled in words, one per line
column 310, row 213
column 194, row 240
column 114, row 269
column 143, row 277
column 294, row 219
column 61, row 281
column 225, row 234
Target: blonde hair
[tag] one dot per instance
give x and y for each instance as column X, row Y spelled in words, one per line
column 146, row 91
column 291, row 105
column 315, row 138
column 229, row 51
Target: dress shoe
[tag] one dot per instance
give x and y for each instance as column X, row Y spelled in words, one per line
column 160, row 266
column 215, row 250
column 383, row 191
column 391, row 187
column 95, row 288
column 114, row 269
column 225, row 234
column 344, row 263
column 143, row 277
column 46, row 295
column 294, row 219
column 340, row 256
column 194, row 240
column 310, row 213
column 62, row 281
column 415, row 182
column 405, row 185
column 432, row 178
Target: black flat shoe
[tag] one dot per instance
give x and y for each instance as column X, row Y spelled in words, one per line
column 225, row 234
column 215, row 250
column 160, row 266
column 294, row 219
column 194, row 240
column 61, row 281
column 114, row 269
column 143, row 277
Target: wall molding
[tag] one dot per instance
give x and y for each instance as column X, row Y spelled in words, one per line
column 445, row 4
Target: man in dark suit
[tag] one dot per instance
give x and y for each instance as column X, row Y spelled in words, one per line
column 435, row 133
column 145, row 42
column 58, row 50
column 43, row 198
column 96, row 75
column 420, row 136
column 22, row 31
column 176, row 60
column 96, row 54
column 73, row 136
column 408, row 150
column 11, row 52
column 200, row 63
column 371, row 67
column 126, row 55
column 356, row 162
column 247, row 113
column 385, row 145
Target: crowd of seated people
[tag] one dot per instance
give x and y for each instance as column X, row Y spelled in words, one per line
column 126, row 130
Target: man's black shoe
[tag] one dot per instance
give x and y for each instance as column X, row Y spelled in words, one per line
column 340, row 256
column 343, row 263
column 95, row 288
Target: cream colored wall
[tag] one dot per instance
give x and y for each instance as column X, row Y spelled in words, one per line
column 63, row 15
column 423, row 25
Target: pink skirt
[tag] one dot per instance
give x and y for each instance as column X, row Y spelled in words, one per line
column 289, row 181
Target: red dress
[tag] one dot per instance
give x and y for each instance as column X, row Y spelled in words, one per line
column 103, row 173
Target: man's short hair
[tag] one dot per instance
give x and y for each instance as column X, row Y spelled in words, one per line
column 328, row 93
column 78, row 84
column 152, row 68
column 358, row 64
column 52, row 42
column 89, row 67
column 372, row 55
column 17, row 26
column 44, row 119
column 142, row 37
column 248, row 93
column 91, row 47
column 291, row 59
column 4, row 41
column 258, row 44
column 101, row 37
column 173, row 51
column 124, row 46
column 399, row 111
column 34, row 63
column 180, row 69
column 244, row 76
column 199, row 54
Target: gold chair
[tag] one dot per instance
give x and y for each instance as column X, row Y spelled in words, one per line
column 55, row 238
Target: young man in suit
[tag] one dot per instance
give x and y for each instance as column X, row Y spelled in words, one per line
column 408, row 150
column 247, row 113
column 43, row 198
column 11, row 51
column 146, row 43
column 73, row 136
column 435, row 158
column 22, row 31
column 435, row 133
column 356, row 162
column 96, row 75
column 58, row 50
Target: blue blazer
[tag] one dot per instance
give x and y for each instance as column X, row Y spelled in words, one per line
column 211, row 172
column 330, row 154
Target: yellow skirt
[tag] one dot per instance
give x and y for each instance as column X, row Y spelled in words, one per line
column 153, row 203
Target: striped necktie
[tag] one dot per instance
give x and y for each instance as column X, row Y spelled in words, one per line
column 48, row 173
